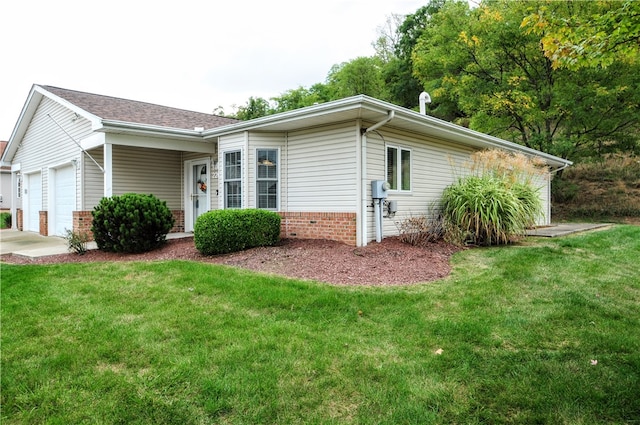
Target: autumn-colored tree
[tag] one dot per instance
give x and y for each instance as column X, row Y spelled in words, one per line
column 498, row 75
column 606, row 32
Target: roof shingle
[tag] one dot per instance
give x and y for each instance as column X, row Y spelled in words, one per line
column 113, row 108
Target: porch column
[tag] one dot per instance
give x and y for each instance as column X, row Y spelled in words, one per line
column 15, row 196
column 108, row 170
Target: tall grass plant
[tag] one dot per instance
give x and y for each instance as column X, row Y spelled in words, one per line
column 495, row 199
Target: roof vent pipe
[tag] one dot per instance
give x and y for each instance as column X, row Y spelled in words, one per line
column 424, row 99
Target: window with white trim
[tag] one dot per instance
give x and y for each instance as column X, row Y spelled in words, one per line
column 233, row 179
column 267, row 178
column 398, row 166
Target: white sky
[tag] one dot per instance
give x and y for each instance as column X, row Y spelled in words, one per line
column 190, row 54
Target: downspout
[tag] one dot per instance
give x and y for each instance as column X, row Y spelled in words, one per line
column 560, row 169
column 364, row 186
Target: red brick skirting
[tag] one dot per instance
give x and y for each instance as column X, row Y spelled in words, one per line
column 334, row 226
column 82, row 221
column 44, row 223
column 178, row 226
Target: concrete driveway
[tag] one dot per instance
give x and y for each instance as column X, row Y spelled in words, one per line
column 30, row 244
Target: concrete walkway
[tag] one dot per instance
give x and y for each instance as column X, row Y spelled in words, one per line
column 563, row 229
column 32, row 245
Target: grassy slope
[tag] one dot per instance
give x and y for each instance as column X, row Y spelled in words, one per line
column 609, row 189
column 189, row 343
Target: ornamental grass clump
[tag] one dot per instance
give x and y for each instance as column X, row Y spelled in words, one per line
column 131, row 223
column 224, row 231
column 495, row 201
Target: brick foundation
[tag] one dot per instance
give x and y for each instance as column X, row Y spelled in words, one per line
column 332, row 226
column 44, row 223
column 19, row 218
column 82, row 221
column 178, row 226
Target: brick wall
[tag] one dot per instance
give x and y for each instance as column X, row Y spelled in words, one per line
column 319, row 225
column 178, row 226
column 19, row 218
column 82, row 221
column 44, row 223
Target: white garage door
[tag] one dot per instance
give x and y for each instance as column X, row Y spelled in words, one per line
column 64, row 200
column 33, row 205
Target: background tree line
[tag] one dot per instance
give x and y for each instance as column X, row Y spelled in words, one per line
column 562, row 77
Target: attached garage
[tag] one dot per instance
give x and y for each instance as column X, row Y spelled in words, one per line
column 62, row 200
column 32, row 201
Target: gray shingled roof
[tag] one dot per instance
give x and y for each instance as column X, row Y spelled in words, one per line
column 113, row 108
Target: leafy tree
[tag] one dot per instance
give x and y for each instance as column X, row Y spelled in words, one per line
column 386, row 44
column 495, row 73
column 402, row 87
column 301, row 97
column 255, row 107
column 608, row 32
column 362, row 75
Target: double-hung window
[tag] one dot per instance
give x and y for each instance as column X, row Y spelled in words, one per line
column 267, row 178
column 399, row 168
column 233, row 179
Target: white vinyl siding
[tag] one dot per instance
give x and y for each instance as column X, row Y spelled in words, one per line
column 143, row 170
column 433, row 168
column 543, row 184
column 45, row 144
column 93, row 179
column 322, row 169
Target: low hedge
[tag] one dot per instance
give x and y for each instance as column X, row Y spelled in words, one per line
column 223, row 231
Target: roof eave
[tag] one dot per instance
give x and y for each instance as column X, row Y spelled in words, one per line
column 437, row 127
column 308, row 112
column 137, row 129
column 466, row 136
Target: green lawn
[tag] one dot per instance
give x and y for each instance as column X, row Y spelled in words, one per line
column 512, row 336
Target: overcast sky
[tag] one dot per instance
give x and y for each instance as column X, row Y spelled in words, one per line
column 190, row 54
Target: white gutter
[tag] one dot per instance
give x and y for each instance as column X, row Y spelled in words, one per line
column 114, row 126
column 364, row 200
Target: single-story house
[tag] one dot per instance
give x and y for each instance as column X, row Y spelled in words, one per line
column 314, row 166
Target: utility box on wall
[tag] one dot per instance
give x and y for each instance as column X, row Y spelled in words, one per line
column 379, row 189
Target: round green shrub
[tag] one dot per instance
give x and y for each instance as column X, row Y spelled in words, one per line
column 5, row 220
column 131, row 223
column 223, row 231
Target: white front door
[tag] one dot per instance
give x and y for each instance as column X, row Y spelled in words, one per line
column 198, row 190
column 32, row 202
